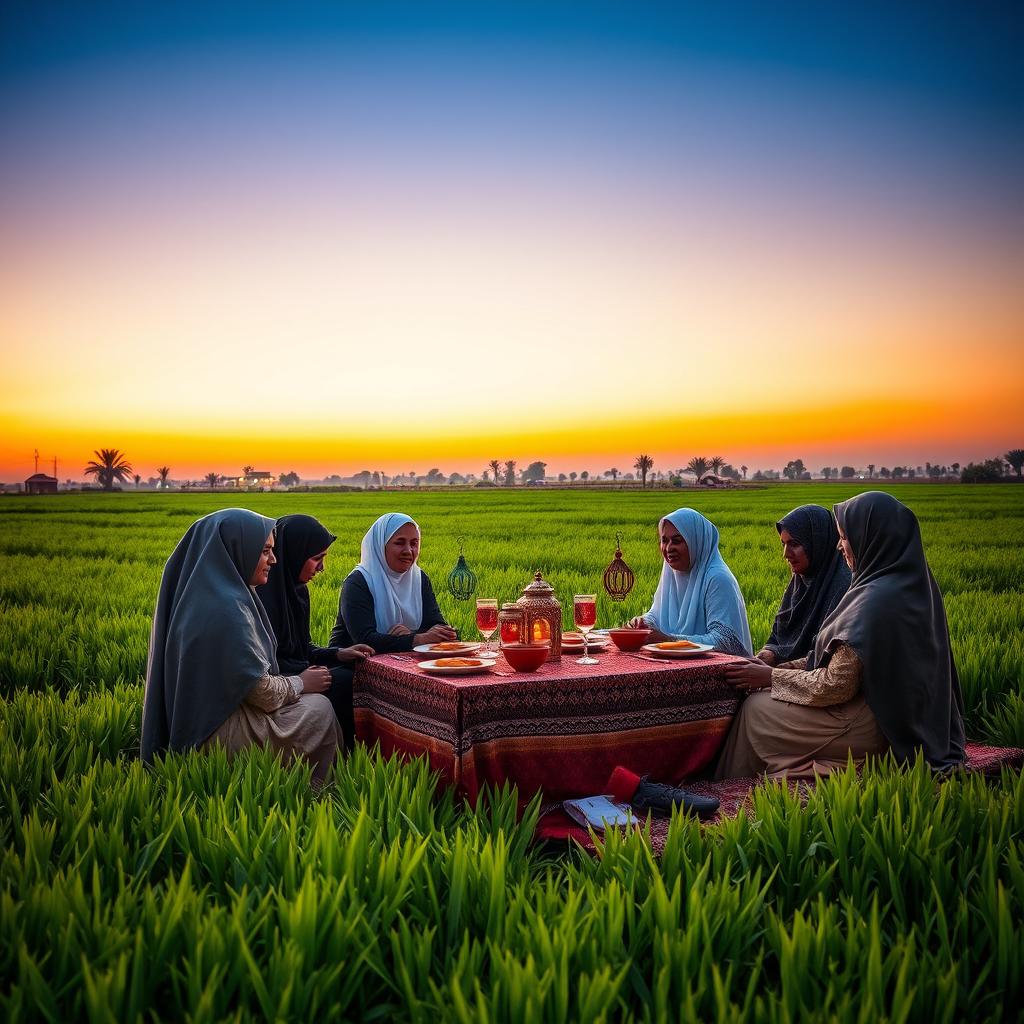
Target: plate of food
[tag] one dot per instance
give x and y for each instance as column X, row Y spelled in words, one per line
column 449, row 647
column 677, row 648
column 572, row 640
column 457, row 666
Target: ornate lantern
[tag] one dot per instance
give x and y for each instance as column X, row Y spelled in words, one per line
column 618, row 577
column 462, row 579
column 543, row 616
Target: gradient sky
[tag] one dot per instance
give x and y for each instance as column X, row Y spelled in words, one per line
column 335, row 237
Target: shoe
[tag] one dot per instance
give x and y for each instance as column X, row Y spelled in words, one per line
column 657, row 796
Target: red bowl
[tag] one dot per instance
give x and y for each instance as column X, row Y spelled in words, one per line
column 629, row 639
column 526, row 657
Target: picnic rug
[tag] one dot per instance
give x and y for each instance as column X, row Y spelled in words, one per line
column 555, row 825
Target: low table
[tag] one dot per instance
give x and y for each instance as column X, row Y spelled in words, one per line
column 562, row 728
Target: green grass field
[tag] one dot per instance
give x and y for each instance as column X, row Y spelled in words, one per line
column 210, row 891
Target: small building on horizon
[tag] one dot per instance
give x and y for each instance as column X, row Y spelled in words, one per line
column 40, row 483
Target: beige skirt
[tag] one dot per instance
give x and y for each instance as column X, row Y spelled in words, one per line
column 308, row 728
column 784, row 740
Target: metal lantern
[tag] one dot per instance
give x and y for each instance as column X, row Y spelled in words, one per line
column 543, row 615
column 618, row 577
column 462, row 579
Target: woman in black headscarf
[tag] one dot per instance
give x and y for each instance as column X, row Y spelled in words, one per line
column 810, row 544
column 881, row 675
column 302, row 544
column 212, row 677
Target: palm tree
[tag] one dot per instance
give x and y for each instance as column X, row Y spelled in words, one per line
column 613, row 473
column 716, row 464
column 165, row 472
column 698, row 466
column 495, row 470
column 212, row 479
column 510, row 473
column 138, row 480
column 643, row 466
column 744, row 470
column 1015, row 457
column 108, row 467
column 956, row 468
column 871, row 470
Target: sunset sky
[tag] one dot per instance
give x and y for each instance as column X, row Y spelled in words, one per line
column 336, row 237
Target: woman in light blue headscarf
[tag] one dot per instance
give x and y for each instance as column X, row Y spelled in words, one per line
column 698, row 598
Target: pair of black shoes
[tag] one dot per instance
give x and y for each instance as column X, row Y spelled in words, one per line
column 657, row 796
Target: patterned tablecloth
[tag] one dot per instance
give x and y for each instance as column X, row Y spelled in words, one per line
column 561, row 729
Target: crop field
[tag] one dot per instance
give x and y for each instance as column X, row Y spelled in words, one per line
column 204, row 890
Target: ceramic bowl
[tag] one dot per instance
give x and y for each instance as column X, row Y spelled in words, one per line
column 629, row 639
column 526, row 657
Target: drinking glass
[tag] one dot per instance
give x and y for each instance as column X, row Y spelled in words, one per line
column 487, row 618
column 584, row 614
column 509, row 626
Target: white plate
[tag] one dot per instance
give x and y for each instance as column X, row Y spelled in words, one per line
column 595, row 641
column 679, row 652
column 483, row 665
column 466, row 648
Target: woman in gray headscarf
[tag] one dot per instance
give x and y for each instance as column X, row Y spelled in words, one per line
column 212, row 676
column 881, row 675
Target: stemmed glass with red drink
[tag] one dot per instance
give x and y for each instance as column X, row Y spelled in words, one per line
column 487, row 618
column 584, row 614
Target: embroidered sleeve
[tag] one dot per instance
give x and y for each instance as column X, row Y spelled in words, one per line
column 836, row 683
column 726, row 641
column 273, row 692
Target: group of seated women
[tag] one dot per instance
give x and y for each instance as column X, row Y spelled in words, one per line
column 858, row 661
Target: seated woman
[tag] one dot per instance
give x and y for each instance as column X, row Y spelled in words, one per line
column 387, row 601
column 212, row 676
column 698, row 598
column 881, row 675
column 300, row 550
column 810, row 543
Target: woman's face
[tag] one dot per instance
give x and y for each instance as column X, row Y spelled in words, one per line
column 311, row 567
column 794, row 553
column 267, row 559
column 673, row 548
column 844, row 546
column 402, row 548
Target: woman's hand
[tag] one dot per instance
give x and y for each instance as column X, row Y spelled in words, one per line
column 399, row 630
column 316, row 679
column 749, row 676
column 435, row 635
column 355, row 653
column 638, row 622
column 768, row 657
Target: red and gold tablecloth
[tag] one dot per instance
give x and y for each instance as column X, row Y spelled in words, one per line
column 561, row 729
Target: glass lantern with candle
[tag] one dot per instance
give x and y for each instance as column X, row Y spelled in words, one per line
column 542, row 616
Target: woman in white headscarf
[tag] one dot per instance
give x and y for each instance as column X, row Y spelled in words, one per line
column 212, row 676
column 387, row 601
column 698, row 598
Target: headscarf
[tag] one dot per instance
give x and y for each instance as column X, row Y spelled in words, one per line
column 211, row 640
column 685, row 602
column 894, row 618
column 397, row 596
column 809, row 597
column 285, row 599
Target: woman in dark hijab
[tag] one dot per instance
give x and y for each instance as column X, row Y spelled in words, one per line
column 810, row 544
column 881, row 675
column 212, row 675
column 302, row 544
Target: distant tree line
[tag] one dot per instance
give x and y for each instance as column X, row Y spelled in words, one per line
column 110, row 467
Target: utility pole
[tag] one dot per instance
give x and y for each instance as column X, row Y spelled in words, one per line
column 36, row 454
